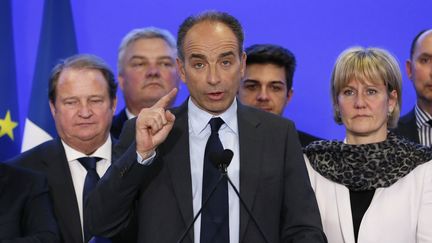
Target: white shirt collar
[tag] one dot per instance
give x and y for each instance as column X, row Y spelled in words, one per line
column 103, row 151
column 422, row 117
column 129, row 114
column 198, row 118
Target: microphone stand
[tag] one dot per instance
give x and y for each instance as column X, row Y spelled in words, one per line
column 222, row 165
column 225, row 174
column 199, row 212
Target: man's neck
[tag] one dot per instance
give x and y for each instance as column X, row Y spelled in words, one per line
column 425, row 105
column 86, row 147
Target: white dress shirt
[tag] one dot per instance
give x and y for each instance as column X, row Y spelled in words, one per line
column 79, row 172
column 199, row 132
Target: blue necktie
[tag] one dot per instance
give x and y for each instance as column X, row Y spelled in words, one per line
column 90, row 182
column 214, row 218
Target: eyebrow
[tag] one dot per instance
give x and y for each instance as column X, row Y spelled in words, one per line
column 424, row 54
column 271, row 82
column 137, row 57
column 250, row 81
column 200, row 56
column 225, row 54
column 165, row 57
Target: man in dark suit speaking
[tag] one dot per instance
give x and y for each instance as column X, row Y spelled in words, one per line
column 165, row 174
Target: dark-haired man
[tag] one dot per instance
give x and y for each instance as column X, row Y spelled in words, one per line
column 417, row 124
column 173, row 175
column 268, row 80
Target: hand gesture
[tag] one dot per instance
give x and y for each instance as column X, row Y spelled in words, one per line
column 153, row 125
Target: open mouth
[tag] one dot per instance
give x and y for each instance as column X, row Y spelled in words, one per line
column 215, row 96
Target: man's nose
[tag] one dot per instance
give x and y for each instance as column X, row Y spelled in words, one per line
column 153, row 70
column 263, row 94
column 85, row 110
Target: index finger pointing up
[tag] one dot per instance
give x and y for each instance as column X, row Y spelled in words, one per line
column 166, row 99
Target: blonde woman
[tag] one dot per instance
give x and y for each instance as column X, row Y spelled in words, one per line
column 373, row 186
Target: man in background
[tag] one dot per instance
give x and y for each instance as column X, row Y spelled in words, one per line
column 417, row 124
column 268, row 80
column 146, row 71
column 82, row 99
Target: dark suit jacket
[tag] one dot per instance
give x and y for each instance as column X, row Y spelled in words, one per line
column 273, row 182
column 50, row 159
column 25, row 209
column 306, row 138
column 407, row 127
column 117, row 123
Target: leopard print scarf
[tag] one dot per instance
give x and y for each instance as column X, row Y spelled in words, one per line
column 367, row 166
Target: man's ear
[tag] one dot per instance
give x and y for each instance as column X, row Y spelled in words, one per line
column 120, row 81
column 52, row 108
column 181, row 69
column 290, row 94
column 243, row 64
column 114, row 105
column 408, row 68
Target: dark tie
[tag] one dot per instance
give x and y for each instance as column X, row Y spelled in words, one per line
column 429, row 122
column 214, row 218
column 90, row 182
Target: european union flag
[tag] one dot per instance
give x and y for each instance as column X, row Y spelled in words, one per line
column 10, row 137
column 57, row 41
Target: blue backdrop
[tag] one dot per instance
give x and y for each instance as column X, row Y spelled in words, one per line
column 315, row 31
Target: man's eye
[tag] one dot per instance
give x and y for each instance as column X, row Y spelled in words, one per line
column 198, row 65
column 70, row 102
column 250, row 86
column 96, row 101
column 137, row 64
column 166, row 64
column 276, row 88
column 226, row 63
column 425, row 60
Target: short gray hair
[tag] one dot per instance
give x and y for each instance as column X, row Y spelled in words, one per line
column 144, row 33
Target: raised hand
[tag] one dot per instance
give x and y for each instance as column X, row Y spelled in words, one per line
column 153, row 125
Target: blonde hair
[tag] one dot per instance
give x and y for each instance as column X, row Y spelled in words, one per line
column 367, row 64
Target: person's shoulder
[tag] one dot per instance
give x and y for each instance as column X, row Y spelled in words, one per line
column 21, row 175
column 408, row 117
column 33, row 155
column 120, row 117
column 117, row 123
column 306, row 138
column 263, row 116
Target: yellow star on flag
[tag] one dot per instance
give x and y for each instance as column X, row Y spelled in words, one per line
column 7, row 126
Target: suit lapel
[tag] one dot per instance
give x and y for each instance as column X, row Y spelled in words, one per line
column 407, row 127
column 412, row 127
column 344, row 213
column 250, row 161
column 176, row 155
column 62, row 190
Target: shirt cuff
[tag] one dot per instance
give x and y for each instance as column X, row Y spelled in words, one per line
column 147, row 161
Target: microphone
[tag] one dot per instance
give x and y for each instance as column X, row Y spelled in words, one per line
column 222, row 161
